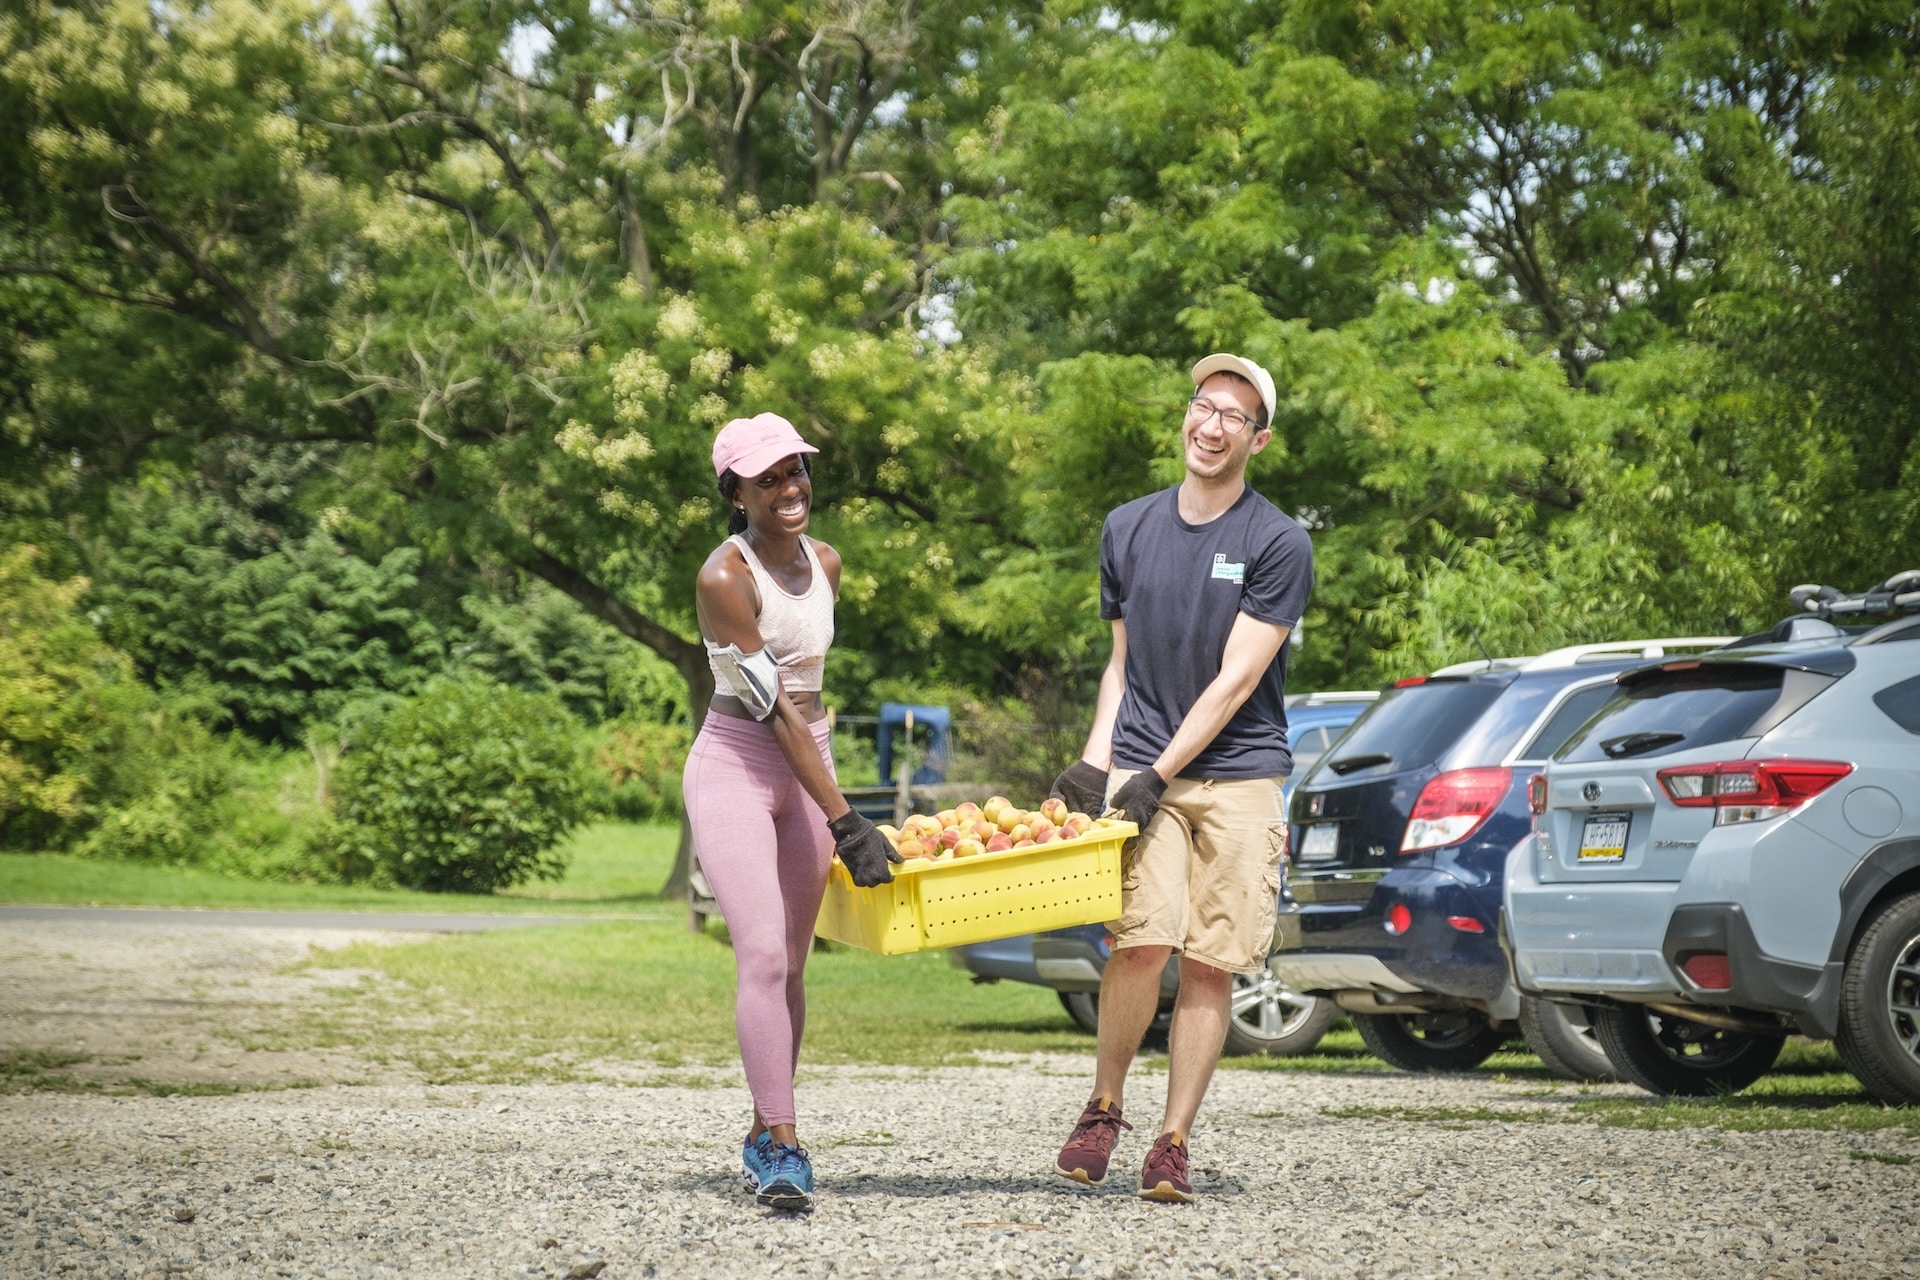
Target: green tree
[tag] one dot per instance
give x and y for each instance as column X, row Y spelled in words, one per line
column 280, row 637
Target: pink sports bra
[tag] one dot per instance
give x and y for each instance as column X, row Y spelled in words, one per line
column 798, row 630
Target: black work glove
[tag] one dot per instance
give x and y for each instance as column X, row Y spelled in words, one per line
column 1083, row 788
column 863, row 849
column 1138, row 798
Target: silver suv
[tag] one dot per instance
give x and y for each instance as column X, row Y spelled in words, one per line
column 1729, row 851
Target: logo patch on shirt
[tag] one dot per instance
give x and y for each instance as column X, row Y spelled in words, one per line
column 1229, row 572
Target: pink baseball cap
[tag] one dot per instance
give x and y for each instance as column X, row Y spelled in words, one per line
column 748, row 446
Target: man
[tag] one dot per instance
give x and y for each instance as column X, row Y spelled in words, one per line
column 1203, row 583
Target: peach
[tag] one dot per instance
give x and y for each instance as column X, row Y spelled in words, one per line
column 968, row 849
column 911, row 848
column 1001, row 840
column 947, row 817
column 982, row 830
column 1076, row 826
column 892, row 833
column 1048, row 835
column 1054, row 809
column 1040, row 822
column 966, row 810
column 1021, row 831
column 949, row 837
column 1023, row 844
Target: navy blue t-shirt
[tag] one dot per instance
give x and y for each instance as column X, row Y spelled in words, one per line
column 1178, row 588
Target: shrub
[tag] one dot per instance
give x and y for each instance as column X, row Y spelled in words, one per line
column 640, row 767
column 190, row 796
column 468, row 786
column 68, row 704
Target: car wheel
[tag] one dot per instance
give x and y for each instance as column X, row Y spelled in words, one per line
column 1443, row 1041
column 1562, row 1036
column 1666, row 1054
column 1084, row 1008
column 1270, row 1017
column 1880, row 1005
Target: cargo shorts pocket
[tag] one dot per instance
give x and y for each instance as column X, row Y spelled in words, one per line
column 1271, row 879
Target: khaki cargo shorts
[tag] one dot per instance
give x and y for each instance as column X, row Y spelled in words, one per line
column 1204, row 877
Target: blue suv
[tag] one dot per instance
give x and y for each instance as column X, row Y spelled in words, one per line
column 1399, row 839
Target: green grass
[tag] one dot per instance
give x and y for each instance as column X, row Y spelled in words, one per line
column 1807, row 1089
column 564, row 1002
column 616, row 868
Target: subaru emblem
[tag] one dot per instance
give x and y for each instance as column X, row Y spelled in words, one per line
column 1590, row 792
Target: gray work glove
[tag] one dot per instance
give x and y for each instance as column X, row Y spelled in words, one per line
column 1082, row 787
column 1138, row 798
column 863, row 849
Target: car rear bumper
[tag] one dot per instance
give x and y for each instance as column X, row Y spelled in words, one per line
column 1586, row 938
column 1437, row 952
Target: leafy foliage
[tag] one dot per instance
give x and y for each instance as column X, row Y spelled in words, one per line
column 467, row 786
column 280, row 639
column 68, row 705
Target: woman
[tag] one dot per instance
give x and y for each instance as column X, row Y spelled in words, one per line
column 766, row 811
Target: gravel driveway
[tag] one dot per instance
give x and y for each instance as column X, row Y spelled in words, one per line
column 923, row 1172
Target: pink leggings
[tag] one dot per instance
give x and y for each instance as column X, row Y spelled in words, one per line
column 764, row 846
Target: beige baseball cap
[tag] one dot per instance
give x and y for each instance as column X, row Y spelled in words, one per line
column 1226, row 362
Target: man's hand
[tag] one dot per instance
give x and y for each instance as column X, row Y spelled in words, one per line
column 1082, row 787
column 863, row 849
column 1138, row 798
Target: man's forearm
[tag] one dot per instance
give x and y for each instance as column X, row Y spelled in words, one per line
column 1202, row 723
column 1106, row 709
column 1251, row 648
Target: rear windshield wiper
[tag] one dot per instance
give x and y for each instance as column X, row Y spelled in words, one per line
column 1635, row 744
column 1347, row 765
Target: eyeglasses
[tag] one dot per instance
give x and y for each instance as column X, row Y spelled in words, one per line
column 1232, row 421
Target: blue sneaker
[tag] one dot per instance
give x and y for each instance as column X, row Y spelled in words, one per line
column 756, row 1159
column 789, row 1183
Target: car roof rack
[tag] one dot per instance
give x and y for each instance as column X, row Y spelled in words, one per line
column 1898, row 594
column 1575, row 654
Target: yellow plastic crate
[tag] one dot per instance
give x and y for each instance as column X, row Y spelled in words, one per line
column 990, row 895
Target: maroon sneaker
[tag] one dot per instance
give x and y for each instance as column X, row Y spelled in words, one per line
column 1084, row 1158
column 1164, row 1176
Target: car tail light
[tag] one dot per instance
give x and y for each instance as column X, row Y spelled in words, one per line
column 1398, row 920
column 1709, row 970
column 1453, row 805
column 1537, row 794
column 1466, row 924
column 1749, row 790
column 1409, row 682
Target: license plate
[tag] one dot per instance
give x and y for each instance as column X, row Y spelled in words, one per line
column 1320, row 843
column 1603, row 838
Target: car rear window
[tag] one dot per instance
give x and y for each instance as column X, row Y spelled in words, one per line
column 1659, row 712
column 1409, row 727
column 1901, row 702
column 1568, row 716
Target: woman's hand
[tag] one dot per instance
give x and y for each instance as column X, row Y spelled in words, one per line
column 863, row 849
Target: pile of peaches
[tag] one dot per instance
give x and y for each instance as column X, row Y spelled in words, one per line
column 969, row 829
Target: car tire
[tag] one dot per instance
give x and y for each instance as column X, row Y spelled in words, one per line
column 1269, row 1017
column 1563, row 1038
column 1084, row 1008
column 1879, row 1036
column 1429, row 1042
column 1677, row 1056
